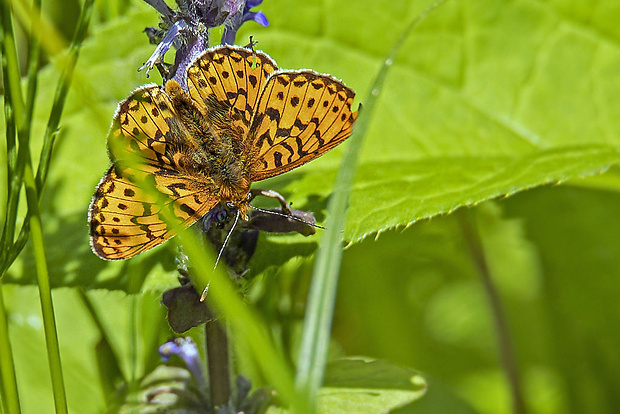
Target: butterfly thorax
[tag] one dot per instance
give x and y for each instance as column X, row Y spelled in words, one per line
column 209, row 147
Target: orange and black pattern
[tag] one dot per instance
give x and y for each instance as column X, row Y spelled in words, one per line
column 177, row 153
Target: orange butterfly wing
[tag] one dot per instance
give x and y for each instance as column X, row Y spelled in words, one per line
column 232, row 76
column 300, row 116
column 143, row 200
column 125, row 219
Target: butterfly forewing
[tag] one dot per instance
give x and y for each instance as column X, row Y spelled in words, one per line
column 140, row 130
column 300, row 115
column 231, row 75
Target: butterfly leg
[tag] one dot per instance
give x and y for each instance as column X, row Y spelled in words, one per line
column 286, row 208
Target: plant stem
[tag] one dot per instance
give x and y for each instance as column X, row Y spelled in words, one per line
column 218, row 361
column 467, row 221
column 8, row 381
column 45, row 292
column 52, row 125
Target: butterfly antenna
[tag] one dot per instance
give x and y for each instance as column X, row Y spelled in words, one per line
column 275, row 213
column 219, row 255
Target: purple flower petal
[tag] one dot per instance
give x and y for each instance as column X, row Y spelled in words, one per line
column 164, row 45
column 188, row 351
column 260, row 18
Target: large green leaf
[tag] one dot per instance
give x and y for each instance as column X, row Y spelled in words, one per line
column 488, row 98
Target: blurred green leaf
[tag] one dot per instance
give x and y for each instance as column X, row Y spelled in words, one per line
column 412, row 297
column 366, row 387
column 81, row 345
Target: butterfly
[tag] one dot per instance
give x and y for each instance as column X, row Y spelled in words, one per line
column 176, row 153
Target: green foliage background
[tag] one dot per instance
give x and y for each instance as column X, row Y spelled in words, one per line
column 486, row 99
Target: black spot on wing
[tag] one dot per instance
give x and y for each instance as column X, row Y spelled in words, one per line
column 187, row 209
column 282, row 81
column 273, row 114
column 277, row 159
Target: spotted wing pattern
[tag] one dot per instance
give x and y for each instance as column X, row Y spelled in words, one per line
column 127, row 219
column 300, row 116
column 242, row 120
column 140, row 129
column 231, row 75
column 144, row 198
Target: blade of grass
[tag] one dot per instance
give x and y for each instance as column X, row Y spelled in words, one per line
column 23, row 117
column 8, row 381
column 61, row 92
column 15, row 182
column 321, row 299
column 45, row 292
column 13, row 110
column 14, row 116
column 33, row 62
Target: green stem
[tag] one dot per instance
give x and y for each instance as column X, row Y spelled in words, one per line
column 467, row 220
column 8, row 381
column 45, row 292
column 33, row 62
column 218, row 360
column 51, row 130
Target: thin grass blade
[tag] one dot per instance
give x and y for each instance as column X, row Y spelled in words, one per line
column 317, row 324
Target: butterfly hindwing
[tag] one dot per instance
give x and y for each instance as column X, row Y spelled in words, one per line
column 231, row 75
column 127, row 217
column 300, row 115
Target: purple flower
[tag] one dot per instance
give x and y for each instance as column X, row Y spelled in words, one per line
column 188, row 351
column 258, row 17
column 187, row 29
column 234, row 22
